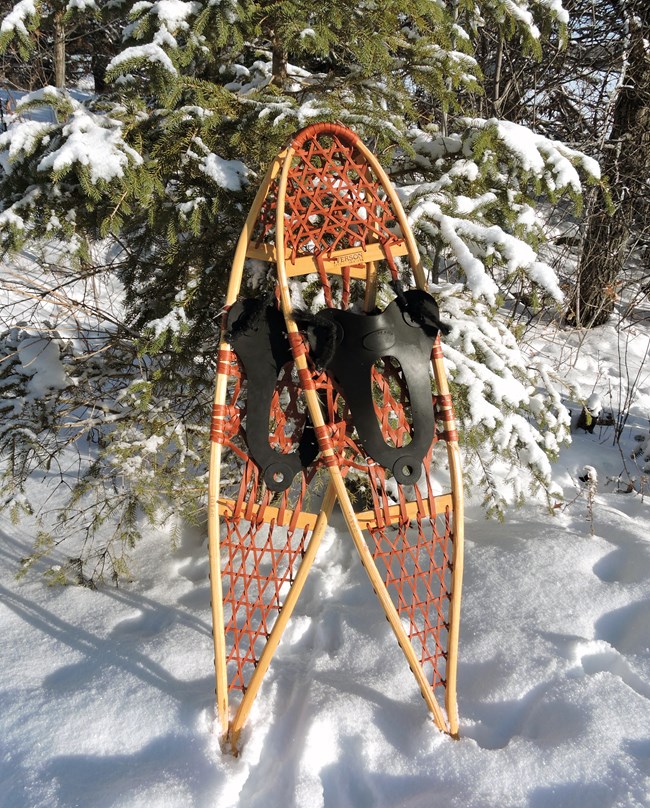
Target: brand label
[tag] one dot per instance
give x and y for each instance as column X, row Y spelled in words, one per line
column 349, row 258
column 378, row 341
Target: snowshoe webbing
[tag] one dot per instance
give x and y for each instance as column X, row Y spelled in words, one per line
column 257, row 334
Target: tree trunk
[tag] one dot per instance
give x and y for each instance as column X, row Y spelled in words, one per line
column 59, row 50
column 626, row 164
column 102, row 51
column 279, row 62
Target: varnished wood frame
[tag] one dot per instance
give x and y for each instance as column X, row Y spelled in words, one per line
column 336, row 490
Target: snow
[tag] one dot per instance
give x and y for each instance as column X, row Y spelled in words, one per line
column 591, row 474
column 93, row 141
column 536, row 152
column 151, row 53
column 228, row 174
column 24, row 138
column 9, row 218
column 18, row 17
column 174, row 14
column 472, row 235
column 40, row 359
column 594, row 405
column 107, row 697
column 173, row 322
column 478, row 281
column 556, row 8
column 519, row 12
column 81, row 5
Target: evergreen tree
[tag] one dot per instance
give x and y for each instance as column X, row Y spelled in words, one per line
column 59, row 42
column 614, row 222
column 162, row 169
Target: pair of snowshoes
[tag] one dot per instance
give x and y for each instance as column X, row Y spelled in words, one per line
column 325, row 386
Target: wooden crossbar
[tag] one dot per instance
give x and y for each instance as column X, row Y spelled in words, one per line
column 353, row 257
column 305, row 520
column 368, row 519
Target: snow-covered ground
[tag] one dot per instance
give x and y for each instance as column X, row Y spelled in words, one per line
column 106, row 698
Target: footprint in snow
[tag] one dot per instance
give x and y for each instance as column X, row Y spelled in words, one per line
column 612, row 662
column 626, row 629
column 626, row 565
column 194, row 569
column 598, row 656
column 143, row 625
column 538, row 715
column 198, row 598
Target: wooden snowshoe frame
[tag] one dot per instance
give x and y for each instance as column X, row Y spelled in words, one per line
column 327, row 210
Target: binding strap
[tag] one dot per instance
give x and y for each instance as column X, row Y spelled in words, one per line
column 405, row 331
column 258, row 336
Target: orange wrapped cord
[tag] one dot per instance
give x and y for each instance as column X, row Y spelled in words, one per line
column 220, row 417
column 446, row 410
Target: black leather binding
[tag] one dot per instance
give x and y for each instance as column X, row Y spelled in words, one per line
column 257, row 334
column 405, row 331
